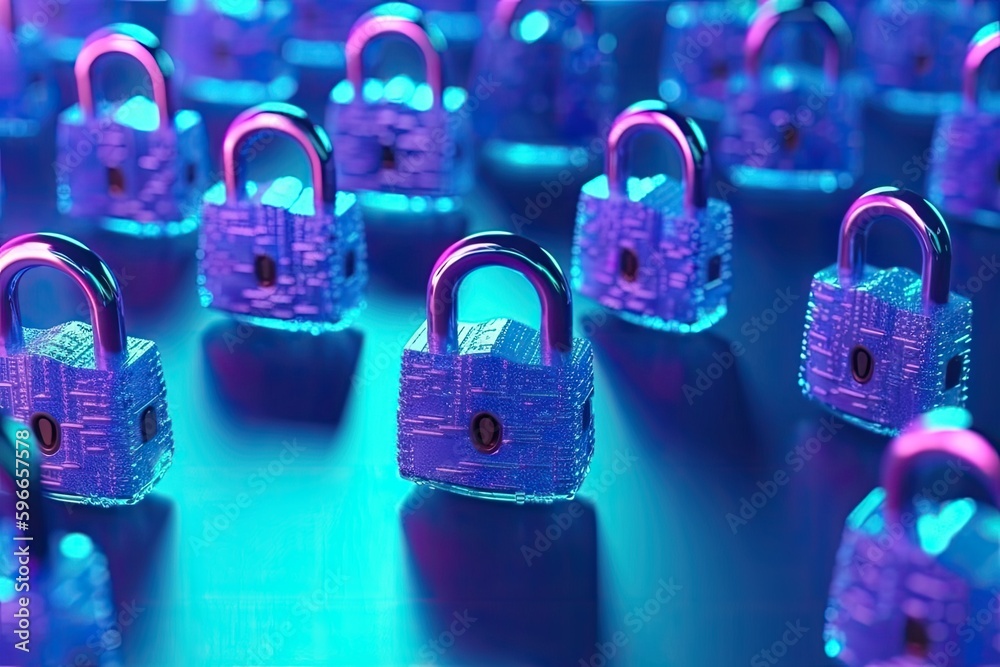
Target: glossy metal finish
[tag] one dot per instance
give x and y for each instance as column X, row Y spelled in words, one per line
column 772, row 15
column 985, row 43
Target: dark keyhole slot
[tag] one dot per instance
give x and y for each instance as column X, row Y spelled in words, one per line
column 265, row 270
column 790, row 139
column 953, row 372
column 148, row 424
column 918, row 642
column 350, row 264
column 47, row 433
column 191, row 174
column 388, row 158
column 922, row 62
column 116, row 181
column 862, row 364
column 628, row 264
column 588, row 411
column 714, row 268
column 486, row 432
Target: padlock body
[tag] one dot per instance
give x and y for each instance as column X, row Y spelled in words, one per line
column 933, row 569
column 120, row 168
column 545, row 415
column 649, row 261
column 803, row 133
column 548, row 89
column 702, row 51
column 270, row 259
column 965, row 172
column 394, row 147
column 874, row 356
column 116, row 439
column 913, row 51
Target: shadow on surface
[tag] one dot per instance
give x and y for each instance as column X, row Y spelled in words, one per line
column 272, row 374
column 402, row 248
column 528, row 575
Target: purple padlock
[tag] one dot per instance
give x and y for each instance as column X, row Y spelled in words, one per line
column 966, row 166
column 134, row 165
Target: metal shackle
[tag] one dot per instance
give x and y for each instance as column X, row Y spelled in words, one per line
column 288, row 120
column 8, row 16
column 767, row 18
column 920, row 216
column 404, row 21
column 136, row 42
column 99, row 285
column 513, row 252
column 985, row 42
column 684, row 133
column 924, row 444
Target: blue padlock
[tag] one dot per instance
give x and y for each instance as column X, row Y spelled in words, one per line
column 966, row 165
column 912, row 52
column 656, row 251
column 94, row 400
column 282, row 254
column 230, row 53
column 28, row 95
column 397, row 139
column 792, row 127
column 136, row 166
column 496, row 409
column 702, row 51
column 883, row 346
column 917, row 578
column 548, row 91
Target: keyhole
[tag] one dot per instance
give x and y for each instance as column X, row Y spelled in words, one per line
column 789, row 138
column 922, row 62
column 47, row 433
column 714, row 269
column 388, row 158
column 628, row 264
column 265, row 270
column 148, row 424
column 350, row 264
column 588, row 411
column 486, row 433
column 862, row 364
column 116, row 181
column 191, row 174
column 953, row 372
column 916, row 638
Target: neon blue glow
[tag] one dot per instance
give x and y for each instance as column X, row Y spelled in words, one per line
column 607, row 43
column 244, row 10
column 314, row 328
column 670, row 90
column 535, row 156
column 533, row 26
column 242, row 93
column 399, row 89
column 936, row 531
column 6, row 589
column 446, row 204
column 454, row 98
column 139, row 113
column 170, row 228
column 779, row 179
column 282, row 192
column 457, row 26
column 637, row 188
column 866, row 508
column 948, row 417
column 679, row 15
column 76, row 546
column 920, row 104
column 387, row 201
column 422, row 98
column 305, row 204
column 832, row 648
column 186, row 119
column 392, row 202
column 343, row 92
column 782, row 77
column 19, row 127
column 65, row 49
column 371, row 90
column 319, row 54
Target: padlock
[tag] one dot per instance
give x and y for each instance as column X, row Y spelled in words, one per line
column 64, row 25
column 882, row 346
column 912, row 52
column 94, row 400
column 965, row 169
column 319, row 32
column 28, row 93
column 230, row 53
column 282, row 254
column 546, row 84
column 916, row 571
column 134, row 165
column 396, row 138
column 792, row 127
column 702, row 51
column 655, row 251
column 496, row 409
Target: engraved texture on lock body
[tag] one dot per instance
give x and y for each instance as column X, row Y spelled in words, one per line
column 536, row 385
column 659, row 254
column 395, row 136
column 965, row 172
column 290, row 255
column 914, row 569
column 918, row 334
column 134, row 164
column 98, row 386
column 553, row 89
column 793, row 127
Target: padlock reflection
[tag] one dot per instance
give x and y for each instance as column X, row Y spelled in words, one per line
column 917, row 572
column 913, row 52
column 134, row 165
column 546, row 85
column 93, row 399
column 496, row 409
column 28, row 95
column 965, row 167
column 282, row 254
column 883, row 346
column 656, row 251
column 792, row 126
